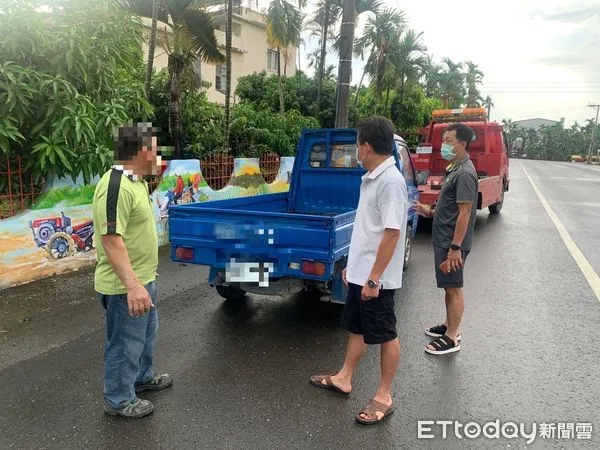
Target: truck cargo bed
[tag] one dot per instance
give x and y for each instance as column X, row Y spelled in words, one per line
column 258, row 230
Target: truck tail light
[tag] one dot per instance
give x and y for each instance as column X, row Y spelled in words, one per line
column 184, row 253
column 313, row 268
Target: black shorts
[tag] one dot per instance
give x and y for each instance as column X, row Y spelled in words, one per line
column 374, row 319
column 454, row 279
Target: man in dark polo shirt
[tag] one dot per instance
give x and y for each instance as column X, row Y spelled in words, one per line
column 453, row 223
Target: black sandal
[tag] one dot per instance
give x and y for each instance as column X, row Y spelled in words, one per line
column 439, row 331
column 443, row 345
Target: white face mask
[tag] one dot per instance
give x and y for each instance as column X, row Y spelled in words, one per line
column 360, row 161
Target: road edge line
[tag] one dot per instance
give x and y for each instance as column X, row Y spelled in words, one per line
column 584, row 265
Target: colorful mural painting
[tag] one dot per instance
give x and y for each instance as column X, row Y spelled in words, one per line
column 57, row 234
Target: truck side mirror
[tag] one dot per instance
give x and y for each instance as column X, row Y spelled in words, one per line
column 422, row 177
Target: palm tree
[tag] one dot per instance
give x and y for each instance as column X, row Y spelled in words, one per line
column 189, row 35
column 228, row 44
column 452, row 84
column 151, row 48
column 329, row 13
column 489, row 105
column 284, row 25
column 409, row 59
column 430, row 77
column 474, row 77
column 380, row 35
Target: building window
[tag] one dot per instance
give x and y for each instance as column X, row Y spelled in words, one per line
column 221, row 78
column 272, row 60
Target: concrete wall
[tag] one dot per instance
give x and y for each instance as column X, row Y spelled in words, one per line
column 39, row 244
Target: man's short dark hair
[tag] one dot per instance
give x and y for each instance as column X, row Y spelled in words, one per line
column 130, row 139
column 377, row 131
column 463, row 133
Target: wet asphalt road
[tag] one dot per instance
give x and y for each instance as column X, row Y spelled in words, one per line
column 529, row 350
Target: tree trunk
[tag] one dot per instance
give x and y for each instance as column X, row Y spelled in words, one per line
column 387, row 98
column 151, row 48
column 228, row 44
column 281, row 98
column 345, row 65
column 175, row 105
column 402, row 85
column 323, row 55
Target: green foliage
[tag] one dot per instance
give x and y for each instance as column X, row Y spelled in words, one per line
column 68, row 76
column 555, row 143
column 67, row 196
column 254, row 132
column 261, row 91
column 202, row 124
column 413, row 110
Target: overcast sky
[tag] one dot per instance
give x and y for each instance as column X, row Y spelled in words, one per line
column 541, row 58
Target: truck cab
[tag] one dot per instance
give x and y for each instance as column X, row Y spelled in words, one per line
column 278, row 244
column 488, row 152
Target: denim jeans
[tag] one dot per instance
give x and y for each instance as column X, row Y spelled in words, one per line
column 129, row 347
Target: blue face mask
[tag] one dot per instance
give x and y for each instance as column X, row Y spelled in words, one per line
column 448, row 152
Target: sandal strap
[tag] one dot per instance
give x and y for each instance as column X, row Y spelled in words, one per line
column 373, row 407
column 443, row 343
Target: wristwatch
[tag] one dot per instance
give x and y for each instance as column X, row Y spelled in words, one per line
column 372, row 284
column 455, row 247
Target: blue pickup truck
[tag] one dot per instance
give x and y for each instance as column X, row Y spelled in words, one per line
column 279, row 244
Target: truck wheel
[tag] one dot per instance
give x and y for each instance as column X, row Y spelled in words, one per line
column 497, row 207
column 407, row 251
column 231, row 292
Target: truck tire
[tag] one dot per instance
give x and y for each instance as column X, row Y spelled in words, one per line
column 497, row 207
column 232, row 293
column 407, row 250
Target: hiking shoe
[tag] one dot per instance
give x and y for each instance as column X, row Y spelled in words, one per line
column 135, row 409
column 156, row 384
column 439, row 331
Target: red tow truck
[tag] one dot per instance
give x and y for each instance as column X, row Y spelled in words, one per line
column 488, row 152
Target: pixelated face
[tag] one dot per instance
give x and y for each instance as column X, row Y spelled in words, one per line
column 150, row 159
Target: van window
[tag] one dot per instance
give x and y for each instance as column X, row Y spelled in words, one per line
column 342, row 156
column 318, row 157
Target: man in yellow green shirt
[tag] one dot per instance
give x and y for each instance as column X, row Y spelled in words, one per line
column 125, row 277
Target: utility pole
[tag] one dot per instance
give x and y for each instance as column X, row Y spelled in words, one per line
column 596, row 106
column 345, row 65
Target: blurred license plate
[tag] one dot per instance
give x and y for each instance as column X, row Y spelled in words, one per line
column 248, row 272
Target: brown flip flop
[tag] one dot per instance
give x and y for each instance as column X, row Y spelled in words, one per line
column 371, row 410
column 317, row 380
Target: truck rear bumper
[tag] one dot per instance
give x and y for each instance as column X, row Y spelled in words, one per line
column 279, row 286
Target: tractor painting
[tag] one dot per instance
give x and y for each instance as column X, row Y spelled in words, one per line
column 59, row 238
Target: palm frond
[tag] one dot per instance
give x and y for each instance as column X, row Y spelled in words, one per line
column 202, row 32
column 143, row 8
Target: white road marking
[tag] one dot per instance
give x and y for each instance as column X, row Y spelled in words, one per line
column 584, row 265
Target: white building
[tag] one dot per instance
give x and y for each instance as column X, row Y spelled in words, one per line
column 250, row 52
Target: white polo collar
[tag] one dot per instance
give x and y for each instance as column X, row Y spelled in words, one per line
column 127, row 172
column 380, row 168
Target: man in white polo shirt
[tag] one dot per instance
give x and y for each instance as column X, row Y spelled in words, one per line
column 374, row 269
